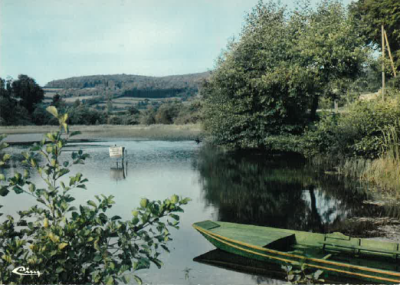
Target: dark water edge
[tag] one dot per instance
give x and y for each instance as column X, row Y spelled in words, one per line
column 286, row 191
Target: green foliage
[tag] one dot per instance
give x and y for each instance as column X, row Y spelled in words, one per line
column 18, row 99
column 302, row 276
column 190, row 113
column 28, row 91
column 83, row 115
column 80, row 245
column 148, row 116
column 41, row 117
column 267, row 82
column 357, row 132
column 132, row 110
column 167, row 112
column 371, row 14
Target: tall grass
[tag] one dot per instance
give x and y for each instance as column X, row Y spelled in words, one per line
column 383, row 171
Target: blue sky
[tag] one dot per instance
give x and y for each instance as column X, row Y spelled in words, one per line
column 55, row 39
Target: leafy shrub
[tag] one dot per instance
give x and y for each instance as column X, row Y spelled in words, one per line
column 190, row 114
column 148, row 117
column 358, row 132
column 76, row 245
column 82, row 115
column 167, row 112
column 115, row 120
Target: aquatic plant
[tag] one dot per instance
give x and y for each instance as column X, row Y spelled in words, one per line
column 302, row 276
column 58, row 243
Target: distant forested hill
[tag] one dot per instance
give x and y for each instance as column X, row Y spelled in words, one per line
column 123, row 85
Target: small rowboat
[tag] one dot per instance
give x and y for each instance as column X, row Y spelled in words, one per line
column 335, row 254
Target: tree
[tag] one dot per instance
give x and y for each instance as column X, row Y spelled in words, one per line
column 7, row 103
column 132, row 110
column 148, row 116
column 167, row 112
column 371, row 14
column 269, row 82
column 28, row 91
column 81, row 245
column 57, row 102
column 331, row 48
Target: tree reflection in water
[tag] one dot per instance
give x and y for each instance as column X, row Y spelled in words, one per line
column 278, row 191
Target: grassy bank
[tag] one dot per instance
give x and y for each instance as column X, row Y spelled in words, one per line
column 156, row 132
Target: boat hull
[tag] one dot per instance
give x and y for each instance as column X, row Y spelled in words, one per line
column 312, row 257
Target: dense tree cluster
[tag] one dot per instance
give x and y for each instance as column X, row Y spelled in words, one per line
column 18, row 99
column 269, row 81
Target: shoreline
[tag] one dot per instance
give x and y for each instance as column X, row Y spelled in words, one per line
column 31, row 134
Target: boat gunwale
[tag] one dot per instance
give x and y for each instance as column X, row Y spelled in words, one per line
column 334, row 263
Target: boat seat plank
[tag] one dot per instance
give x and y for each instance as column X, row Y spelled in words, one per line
column 362, row 248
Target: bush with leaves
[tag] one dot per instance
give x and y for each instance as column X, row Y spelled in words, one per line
column 76, row 245
column 358, row 132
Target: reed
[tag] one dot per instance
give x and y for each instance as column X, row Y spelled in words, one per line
column 385, row 171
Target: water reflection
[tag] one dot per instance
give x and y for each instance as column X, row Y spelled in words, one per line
column 262, row 273
column 281, row 192
column 119, row 172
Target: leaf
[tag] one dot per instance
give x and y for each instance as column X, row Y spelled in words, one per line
column 144, row 202
column 125, row 279
column 62, row 245
column 165, row 248
column 18, row 190
column 75, row 215
column 109, row 280
column 2, row 177
column 185, row 201
column 317, row 274
column 75, row 133
column 175, row 217
column 91, row 203
column 174, row 199
column 137, row 279
column 52, row 110
column 4, row 191
column 65, row 126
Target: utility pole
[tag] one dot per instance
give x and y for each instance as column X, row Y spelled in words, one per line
column 383, row 62
column 390, row 55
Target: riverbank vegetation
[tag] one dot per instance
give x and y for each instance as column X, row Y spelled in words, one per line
column 275, row 87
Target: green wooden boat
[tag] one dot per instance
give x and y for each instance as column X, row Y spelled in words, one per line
column 336, row 254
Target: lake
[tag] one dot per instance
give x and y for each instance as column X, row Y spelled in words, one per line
column 278, row 191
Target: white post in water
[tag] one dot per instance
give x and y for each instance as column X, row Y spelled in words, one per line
column 117, row 152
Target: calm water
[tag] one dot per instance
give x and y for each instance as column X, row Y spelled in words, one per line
column 253, row 189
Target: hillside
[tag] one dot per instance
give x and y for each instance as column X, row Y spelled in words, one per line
column 123, row 85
